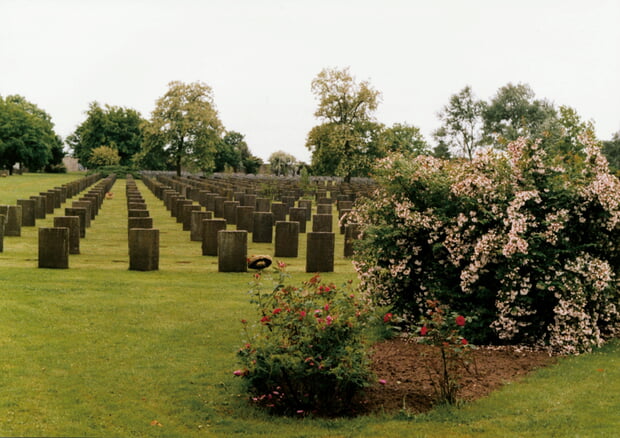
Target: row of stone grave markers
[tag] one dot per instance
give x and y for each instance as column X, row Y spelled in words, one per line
column 258, row 216
column 26, row 211
column 271, row 186
column 143, row 239
column 57, row 242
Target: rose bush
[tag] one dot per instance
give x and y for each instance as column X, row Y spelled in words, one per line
column 307, row 352
column 526, row 242
column 443, row 329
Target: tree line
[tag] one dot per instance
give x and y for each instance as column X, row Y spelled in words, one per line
column 184, row 132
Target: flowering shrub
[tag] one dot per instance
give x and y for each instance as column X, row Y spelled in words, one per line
column 443, row 329
column 306, row 354
column 529, row 247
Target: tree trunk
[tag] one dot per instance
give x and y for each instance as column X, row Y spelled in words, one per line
column 178, row 166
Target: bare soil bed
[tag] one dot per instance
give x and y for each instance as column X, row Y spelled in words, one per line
column 406, row 368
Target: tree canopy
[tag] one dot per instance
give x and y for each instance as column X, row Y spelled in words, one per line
column 233, row 153
column 27, row 135
column 462, row 122
column 514, row 112
column 346, row 142
column 111, row 126
column 184, row 128
column 404, row 138
column 104, row 156
column 282, row 163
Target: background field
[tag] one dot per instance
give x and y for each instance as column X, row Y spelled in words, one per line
column 98, row 350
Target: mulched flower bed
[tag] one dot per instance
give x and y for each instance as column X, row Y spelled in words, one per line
column 404, row 366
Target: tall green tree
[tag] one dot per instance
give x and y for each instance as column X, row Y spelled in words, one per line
column 282, row 163
column 405, row 138
column 514, row 112
column 185, row 127
column 461, row 129
column 234, row 153
column 347, row 141
column 111, row 126
column 27, row 135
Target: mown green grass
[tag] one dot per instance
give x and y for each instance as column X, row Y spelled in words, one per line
column 98, row 350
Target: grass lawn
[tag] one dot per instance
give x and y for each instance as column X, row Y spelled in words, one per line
column 98, row 350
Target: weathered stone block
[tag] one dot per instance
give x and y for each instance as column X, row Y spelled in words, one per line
column 351, row 234
column 210, row 229
column 287, row 239
column 322, row 223
column 28, row 212
column 232, row 251
column 320, row 252
column 143, row 249
column 13, row 219
column 54, row 248
column 72, row 223
column 245, row 218
column 297, row 214
column 195, row 232
column 263, row 227
column 82, row 213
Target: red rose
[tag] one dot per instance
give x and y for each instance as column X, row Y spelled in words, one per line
column 464, row 341
column 423, row 330
column 460, row 320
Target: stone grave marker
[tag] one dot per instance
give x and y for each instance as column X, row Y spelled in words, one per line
column 323, row 209
column 196, row 226
column 54, row 248
column 351, row 234
column 287, row 239
column 138, row 222
column 279, row 211
column 39, row 209
column 232, row 251
column 230, row 211
column 13, row 219
column 322, row 223
column 28, row 212
column 245, row 218
column 262, row 231
column 320, row 252
column 80, row 212
column 86, row 205
column 186, row 214
column 210, row 230
column 143, row 249
column 307, row 204
column 72, row 223
column 297, row 214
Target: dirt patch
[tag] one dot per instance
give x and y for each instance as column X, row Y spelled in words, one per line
column 405, row 368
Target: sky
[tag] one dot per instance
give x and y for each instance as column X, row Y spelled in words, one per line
column 260, row 57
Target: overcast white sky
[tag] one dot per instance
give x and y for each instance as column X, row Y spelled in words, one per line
column 260, row 56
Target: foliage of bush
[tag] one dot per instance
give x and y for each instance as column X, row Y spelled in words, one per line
column 104, row 156
column 306, row 354
column 528, row 246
